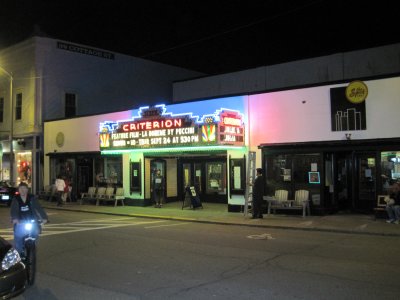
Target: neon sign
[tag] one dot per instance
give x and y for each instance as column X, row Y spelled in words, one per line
column 155, row 128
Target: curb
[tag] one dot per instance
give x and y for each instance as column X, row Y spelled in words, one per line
column 182, row 219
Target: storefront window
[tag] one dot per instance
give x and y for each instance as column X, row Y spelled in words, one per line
column 216, row 177
column 108, row 171
column 64, row 167
column 294, row 172
column 24, row 167
column 278, row 173
column 390, row 169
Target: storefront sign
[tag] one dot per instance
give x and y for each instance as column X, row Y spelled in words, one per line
column 85, row 50
column 154, row 128
column 356, row 91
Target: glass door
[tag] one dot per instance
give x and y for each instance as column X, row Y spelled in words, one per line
column 198, row 177
column 187, row 175
column 343, row 184
column 366, row 181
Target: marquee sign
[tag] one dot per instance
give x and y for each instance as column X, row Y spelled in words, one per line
column 155, row 128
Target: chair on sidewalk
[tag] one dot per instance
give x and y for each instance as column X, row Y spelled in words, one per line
column 301, row 199
column 111, row 196
column 278, row 201
column 108, row 195
column 100, row 194
column 90, row 195
column 47, row 193
column 281, row 195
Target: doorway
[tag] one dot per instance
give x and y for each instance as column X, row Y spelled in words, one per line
column 207, row 175
column 355, row 186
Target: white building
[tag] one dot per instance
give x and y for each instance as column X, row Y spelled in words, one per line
column 54, row 79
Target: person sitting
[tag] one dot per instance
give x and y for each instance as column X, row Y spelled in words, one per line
column 393, row 205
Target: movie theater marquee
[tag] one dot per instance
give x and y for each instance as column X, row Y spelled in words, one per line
column 154, row 128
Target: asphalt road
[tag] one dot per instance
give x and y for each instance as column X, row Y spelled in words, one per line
column 90, row 256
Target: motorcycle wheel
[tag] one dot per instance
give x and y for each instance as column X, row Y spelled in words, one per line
column 30, row 264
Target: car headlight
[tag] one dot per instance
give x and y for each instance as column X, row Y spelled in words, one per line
column 10, row 259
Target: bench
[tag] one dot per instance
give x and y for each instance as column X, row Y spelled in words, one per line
column 90, row 195
column 109, row 195
column 301, row 203
column 48, row 193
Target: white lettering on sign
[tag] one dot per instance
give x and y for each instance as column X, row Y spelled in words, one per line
column 186, row 130
column 150, row 125
column 232, row 121
column 116, row 136
column 119, row 143
column 230, row 138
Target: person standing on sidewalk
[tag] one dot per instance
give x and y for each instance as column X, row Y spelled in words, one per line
column 60, row 186
column 393, row 207
column 158, row 189
column 258, row 193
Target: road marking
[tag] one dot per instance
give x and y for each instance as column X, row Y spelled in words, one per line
column 263, row 236
column 177, row 224
column 308, row 223
column 75, row 229
column 362, row 227
column 71, row 227
column 7, row 237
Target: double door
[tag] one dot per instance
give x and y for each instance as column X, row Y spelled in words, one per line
column 356, row 181
column 207, row 176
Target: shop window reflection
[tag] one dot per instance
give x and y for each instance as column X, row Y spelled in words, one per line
column 108, row 171
column 24, row 167
column 390, row 169
column 216, row 178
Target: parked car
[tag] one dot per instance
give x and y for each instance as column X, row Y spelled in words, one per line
column 12, row 273
column 7, row 192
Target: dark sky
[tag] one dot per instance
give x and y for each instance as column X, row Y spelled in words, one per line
column 209, row 36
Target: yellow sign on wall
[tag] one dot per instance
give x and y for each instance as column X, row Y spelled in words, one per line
column 356, row 91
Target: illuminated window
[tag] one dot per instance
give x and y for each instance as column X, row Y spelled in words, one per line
column 70, row 105
column 24, row 167
column 18, row 107
column 390, row 169
column 216, row 178
column 1, row 109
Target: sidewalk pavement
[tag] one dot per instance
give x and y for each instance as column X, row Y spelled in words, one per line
column 217, row 214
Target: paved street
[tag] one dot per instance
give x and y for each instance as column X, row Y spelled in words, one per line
column 95, row 256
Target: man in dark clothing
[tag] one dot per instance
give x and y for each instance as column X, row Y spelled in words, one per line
column 24, row 206
column 258, row 193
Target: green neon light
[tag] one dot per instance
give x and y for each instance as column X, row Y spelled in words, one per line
column 198, row 148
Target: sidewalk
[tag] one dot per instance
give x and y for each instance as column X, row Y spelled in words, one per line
column 217, row 214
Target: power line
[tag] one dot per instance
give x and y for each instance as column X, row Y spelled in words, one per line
column 212, row 36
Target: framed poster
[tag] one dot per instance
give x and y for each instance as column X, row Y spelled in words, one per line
column 136, row 177
column 313, row 177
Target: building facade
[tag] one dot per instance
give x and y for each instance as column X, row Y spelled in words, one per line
column 201, row 144
column 43, row 78
column 338, row 141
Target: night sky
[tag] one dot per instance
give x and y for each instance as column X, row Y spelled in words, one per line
column 208, row 36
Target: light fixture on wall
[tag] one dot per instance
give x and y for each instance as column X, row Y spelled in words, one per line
column 348, row 136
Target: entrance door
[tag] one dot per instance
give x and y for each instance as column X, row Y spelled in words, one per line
column 344, row 187
column 355, row 186
column 365, row 181
column 158, row 164
column 208, row 176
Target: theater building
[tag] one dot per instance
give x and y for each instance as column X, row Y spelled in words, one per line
column 201, row 144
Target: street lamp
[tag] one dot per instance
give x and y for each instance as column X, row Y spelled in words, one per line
column 11, row 126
